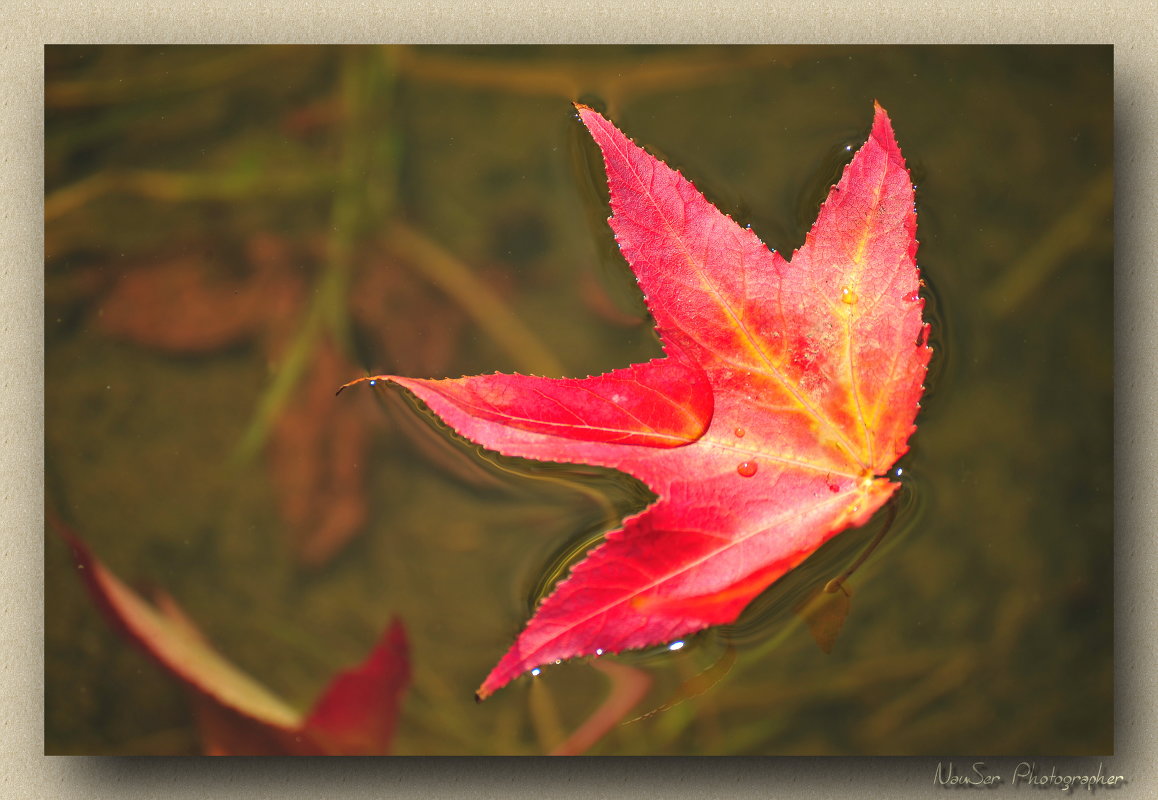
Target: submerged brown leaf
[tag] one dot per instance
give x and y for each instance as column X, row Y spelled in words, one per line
column 190, row 305
column 824, row 612
column 317, row 457
column 179, row 306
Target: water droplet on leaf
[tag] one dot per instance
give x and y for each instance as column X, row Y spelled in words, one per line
column 848, row 296
column 739, row 432
column 747, row 469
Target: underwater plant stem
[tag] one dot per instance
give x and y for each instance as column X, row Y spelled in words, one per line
column 544, row 715
column 482, row 303
column 569, row 78
column 1070, row 232
column 837, row 583
column 941, row 679
column 285, row 379
column 628, row 687
column 176, row 187
column 220, row 69
column 327, row 311
column 696, row 684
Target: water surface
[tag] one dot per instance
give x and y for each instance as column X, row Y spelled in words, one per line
column 981, row 624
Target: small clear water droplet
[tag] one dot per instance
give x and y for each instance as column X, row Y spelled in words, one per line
column 536, row 671
column 598, row 651
column 848, row 296
column 912, row 297
column 739, row 432
column 373, row 383
column 676, row 646
column 747, row 469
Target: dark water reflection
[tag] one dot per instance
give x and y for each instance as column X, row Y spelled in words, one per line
column 981, row 624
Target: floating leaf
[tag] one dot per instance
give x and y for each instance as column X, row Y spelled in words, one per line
column 788, row 388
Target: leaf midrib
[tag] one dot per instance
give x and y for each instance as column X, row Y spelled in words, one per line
column 753, row 345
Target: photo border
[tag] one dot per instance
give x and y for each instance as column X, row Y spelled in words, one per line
column 27, row 772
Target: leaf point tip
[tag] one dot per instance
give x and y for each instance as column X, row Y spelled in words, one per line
column 372, row 379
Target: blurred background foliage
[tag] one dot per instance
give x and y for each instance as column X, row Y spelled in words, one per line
column 233, row 232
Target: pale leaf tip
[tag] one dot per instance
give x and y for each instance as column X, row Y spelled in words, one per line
column 880, row 117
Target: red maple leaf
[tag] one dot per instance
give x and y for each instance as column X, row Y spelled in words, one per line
column 787, row 390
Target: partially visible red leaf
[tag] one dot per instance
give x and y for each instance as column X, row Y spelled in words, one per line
column 355, row 715
column 787, row 391
column 358, row 711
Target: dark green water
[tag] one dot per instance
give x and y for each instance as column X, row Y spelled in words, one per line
column 983, row 624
